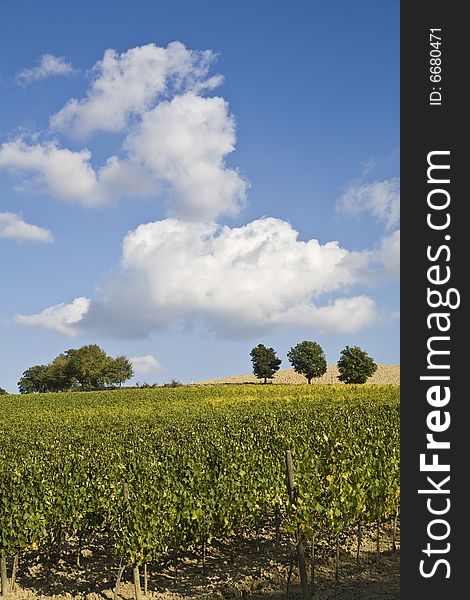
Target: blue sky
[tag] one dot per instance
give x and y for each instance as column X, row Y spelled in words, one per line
column 167, row 167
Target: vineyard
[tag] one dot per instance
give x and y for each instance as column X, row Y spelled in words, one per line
column 149, row 475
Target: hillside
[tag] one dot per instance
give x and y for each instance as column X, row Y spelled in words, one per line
column 384, row 374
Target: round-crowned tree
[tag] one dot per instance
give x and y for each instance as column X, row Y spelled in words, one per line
column 265, row 362
column 308, row 358
column 34, row 380
column 118, row 370
column 355, row 365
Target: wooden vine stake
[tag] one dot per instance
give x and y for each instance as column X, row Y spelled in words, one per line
column 7, row 585
column 138, row 589
column 292, row 491
column 146, row 579
column 79, row 551
column 14, row 569
column 3, row 574
column 118, row 580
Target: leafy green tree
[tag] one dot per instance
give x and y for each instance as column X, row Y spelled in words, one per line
column 3, row 392
column 355, row 365
column 59, row 374
column 308, row 359
column 118, row 370
column 34, row 380
column 88, row 366
column 265, row 362
column 85, row 368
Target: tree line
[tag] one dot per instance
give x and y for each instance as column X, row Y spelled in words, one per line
column 308, row 359
column 82, row 369
column 90, row 368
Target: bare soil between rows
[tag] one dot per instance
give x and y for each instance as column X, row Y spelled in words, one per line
column 259, row 571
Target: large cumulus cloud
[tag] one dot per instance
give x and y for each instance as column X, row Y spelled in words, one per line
column 234, row 281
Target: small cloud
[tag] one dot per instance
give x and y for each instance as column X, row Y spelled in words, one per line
column 60, row 317
column 60, row 172
column 48, row 66
column 380, row 198
column 145, row 364
column 12, row 226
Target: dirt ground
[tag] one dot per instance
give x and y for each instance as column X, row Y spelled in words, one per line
column 389, row 374
column 259, row 571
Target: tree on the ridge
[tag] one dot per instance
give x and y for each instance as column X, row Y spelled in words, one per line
column 3, row 392
column 308, row 359
column 34, row 380
column 265, row 362
column 85, row 368
column 355, row 365
column 118, row 370
column 88, row 366
column 59, row 374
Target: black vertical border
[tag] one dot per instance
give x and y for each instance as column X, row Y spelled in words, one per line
column 426, row 128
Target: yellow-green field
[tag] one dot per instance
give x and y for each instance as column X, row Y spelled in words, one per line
column 158, row 472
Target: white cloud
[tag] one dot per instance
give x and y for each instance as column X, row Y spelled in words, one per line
column 128, row 84
column 235, row 281
column 69, row 176
column 380, row 198
column 175, row 144
column 182, row 144
column 389, row 253
column 13, row 226
column 61, row 317
column 48, row 66
column 145, row 364
column 58, row 171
